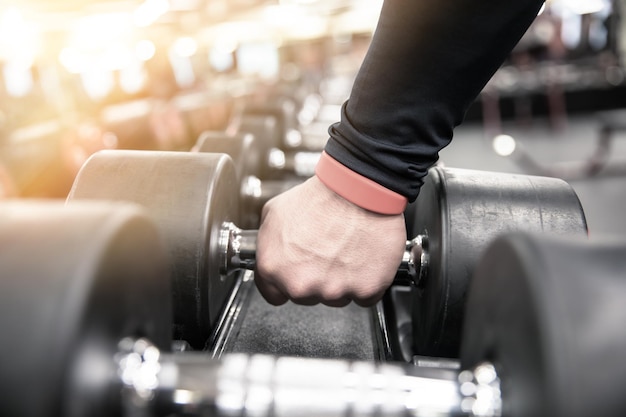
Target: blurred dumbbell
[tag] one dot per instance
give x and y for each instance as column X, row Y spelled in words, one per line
column 266, row 164
column 190, row 196
column 284, row 111
column 89, row 325
column 250, row 162
column 194, row 198
column 74, row 279
column 281, row 143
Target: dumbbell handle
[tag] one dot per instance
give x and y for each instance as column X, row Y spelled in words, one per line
column 414, row 266
column 238, row 251
column 237, row 248
column 192, row 383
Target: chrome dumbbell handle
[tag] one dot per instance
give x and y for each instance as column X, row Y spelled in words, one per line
column 414, row 266
column 238, row 251
column 237, row 248
column 155, row 384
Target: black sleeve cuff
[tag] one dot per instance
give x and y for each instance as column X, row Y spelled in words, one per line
column 427, row 62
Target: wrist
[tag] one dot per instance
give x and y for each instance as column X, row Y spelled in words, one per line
column 358, row 189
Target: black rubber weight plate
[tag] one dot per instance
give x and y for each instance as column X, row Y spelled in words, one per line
column 242, row 148
column 461, row 211
column 550, row 314
column 246, row 155
column 266, row 135
column 75, row 281
column 190, row 196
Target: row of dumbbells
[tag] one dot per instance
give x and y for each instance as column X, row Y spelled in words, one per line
column 146, row 250
column 268, row 148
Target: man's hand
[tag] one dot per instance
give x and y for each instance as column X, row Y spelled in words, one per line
column 314, row 247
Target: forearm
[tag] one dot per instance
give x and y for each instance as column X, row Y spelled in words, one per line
column 427, row 63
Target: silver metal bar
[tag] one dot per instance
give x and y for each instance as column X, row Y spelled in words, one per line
column 237, row 249
column 414, row 266
column 267, row 386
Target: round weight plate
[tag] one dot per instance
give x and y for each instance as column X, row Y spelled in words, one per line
column 75, row 281
column 190, row 195
column 283, row 110
column 266, row 132
column 550, row 314
column 460, row 212
column 242, row 148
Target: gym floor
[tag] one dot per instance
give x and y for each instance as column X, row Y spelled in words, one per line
column 603, row 198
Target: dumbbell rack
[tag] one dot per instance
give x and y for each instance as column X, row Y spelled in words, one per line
column 82, row 279
column 250, row 325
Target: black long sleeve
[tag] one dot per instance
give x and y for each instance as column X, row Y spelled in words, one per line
column 428, row 61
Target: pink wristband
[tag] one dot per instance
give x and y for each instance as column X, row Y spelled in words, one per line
column 358, row 189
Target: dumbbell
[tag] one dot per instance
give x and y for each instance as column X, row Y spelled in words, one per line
column 245, row 146
column 194, row 199
column 283, row 110
column 457, row 214
column 190, row 196
column 268, row 132
column 282, row 144
column 248, row 156
column 89, row 329
column 73, row 279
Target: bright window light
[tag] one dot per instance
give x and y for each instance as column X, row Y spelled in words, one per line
column 183, row 70
column 221, row 60
column 97, row 84
column 19, row 39
column 72, row 60
column 150, row 11
column 18, row 80
column 258, row 59
column 145, row 50
column 99, row 30
column 185, row 47
column 504, row 145
column 133, row 78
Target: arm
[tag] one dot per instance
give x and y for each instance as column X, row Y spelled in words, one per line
column 427, row 62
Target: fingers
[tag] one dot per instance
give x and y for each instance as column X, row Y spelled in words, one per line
column 271, row 293
column 315, row 247
column 369, row 301
column 278, row 288
column 278, row 295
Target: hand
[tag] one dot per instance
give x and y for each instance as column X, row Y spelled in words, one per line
column 314, row 246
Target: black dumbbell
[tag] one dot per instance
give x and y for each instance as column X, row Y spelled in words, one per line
column 457, row 214
column 276, row 127
column 89, row 329
column 247, row 150
column 267, row 125
column 190, row 196
column 74, row 278
column 249, row 159
column 284, row 110
column 194, row 198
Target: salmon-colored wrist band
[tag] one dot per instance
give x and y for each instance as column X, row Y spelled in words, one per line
column 358, row 189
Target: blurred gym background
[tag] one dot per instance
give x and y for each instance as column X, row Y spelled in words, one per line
column 78, row 76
